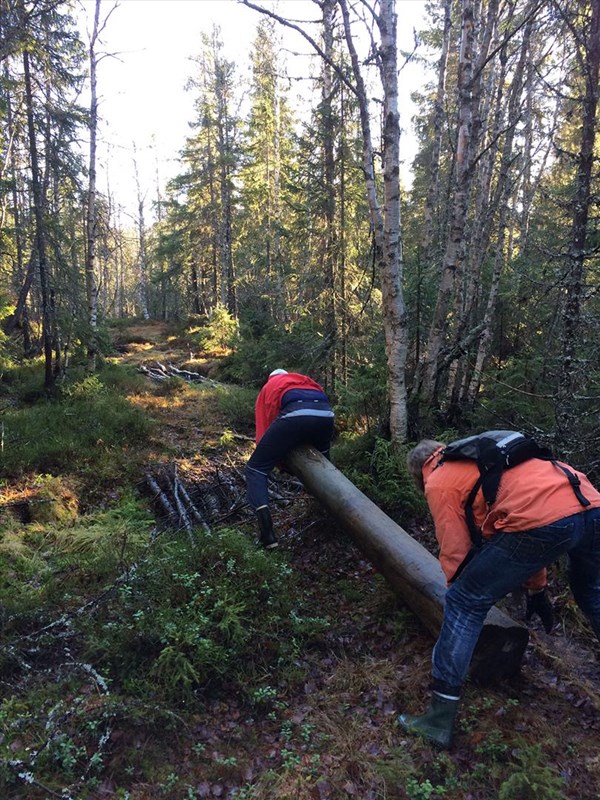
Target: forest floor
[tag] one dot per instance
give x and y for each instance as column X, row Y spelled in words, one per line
column 333, row 735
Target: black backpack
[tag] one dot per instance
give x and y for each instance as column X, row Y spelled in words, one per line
column 495, row 451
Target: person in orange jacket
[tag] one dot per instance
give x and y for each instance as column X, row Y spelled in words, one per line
column 535, row 518
column 291, row 410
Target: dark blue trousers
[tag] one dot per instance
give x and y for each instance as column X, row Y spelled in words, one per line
column 282, row 436
column 504, row 563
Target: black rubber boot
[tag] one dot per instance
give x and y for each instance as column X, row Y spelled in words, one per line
column 265, row 524
column 437, row 724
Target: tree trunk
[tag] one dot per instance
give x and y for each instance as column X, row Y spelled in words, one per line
column 386, row 225
column 331, row 327
column 40, row 232
column 427, row 371
column 19, row 315
column 229, row 296
column 23, row 279
column 406, row 565
column 501, row 202
column 90, row 263
column 574, row 282
column 426, row 255
column 439, row 113
column 142, row 266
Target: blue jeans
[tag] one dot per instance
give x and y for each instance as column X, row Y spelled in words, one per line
column 282, row 436
column 502, row 565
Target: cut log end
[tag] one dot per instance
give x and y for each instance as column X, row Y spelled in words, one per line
column 498, row 654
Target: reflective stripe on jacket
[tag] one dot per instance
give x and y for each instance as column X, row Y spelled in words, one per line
column 268, row 402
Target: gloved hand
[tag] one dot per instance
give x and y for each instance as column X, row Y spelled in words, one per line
column 539, row 603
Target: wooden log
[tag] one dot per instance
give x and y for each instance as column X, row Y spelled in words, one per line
column 193, row 510
column 411, row 570
column 161, row 498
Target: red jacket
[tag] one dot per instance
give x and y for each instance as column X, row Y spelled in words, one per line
column 531, row 495
column 268, row 402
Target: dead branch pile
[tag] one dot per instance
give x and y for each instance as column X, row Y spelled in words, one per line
column 184, row 504
column 159, row 372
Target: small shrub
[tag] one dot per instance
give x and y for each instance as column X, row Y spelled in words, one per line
column 363, row 402
column 423, row 790
column 378, row 468
column 236, row 406
column 264, row 346
column 124, row 380
column 219, row 614
column 218, row 334
column 532, row 778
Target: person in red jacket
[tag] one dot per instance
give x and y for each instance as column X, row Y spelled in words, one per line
column 291, row 410
column 535, row 518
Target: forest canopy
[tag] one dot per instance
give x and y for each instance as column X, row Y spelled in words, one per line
column 469, row 299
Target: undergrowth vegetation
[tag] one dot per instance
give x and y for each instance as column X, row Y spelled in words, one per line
column 379, row 470
column 139, row 662
column 217, row 615
column 163, row 635
column 91, row 429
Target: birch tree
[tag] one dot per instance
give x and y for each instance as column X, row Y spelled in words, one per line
column 385, row 211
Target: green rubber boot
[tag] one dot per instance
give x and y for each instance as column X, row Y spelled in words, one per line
column 437, row 724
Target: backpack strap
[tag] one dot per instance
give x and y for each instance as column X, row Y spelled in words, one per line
column 463, row 563
column 474, row 531
column 574, row 481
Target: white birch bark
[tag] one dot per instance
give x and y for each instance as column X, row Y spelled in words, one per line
column 427, row 373
column 386, row 223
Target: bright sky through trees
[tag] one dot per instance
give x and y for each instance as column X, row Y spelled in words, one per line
column 152, row 44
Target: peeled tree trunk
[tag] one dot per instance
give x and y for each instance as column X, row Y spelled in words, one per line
column 413, row 572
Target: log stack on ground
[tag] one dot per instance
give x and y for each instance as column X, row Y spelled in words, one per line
column 408, row 567
column 159, row 372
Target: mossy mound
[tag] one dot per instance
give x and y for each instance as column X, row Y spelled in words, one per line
column 52, row 501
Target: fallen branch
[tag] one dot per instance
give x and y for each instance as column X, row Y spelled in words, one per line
column 194, row 511
column 183, row 515
column 194, row 377
column 153, row 374
column 161, row 497
column 157, row 371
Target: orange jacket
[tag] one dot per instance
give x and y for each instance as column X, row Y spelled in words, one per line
column 531, row 495
column 268, row 402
